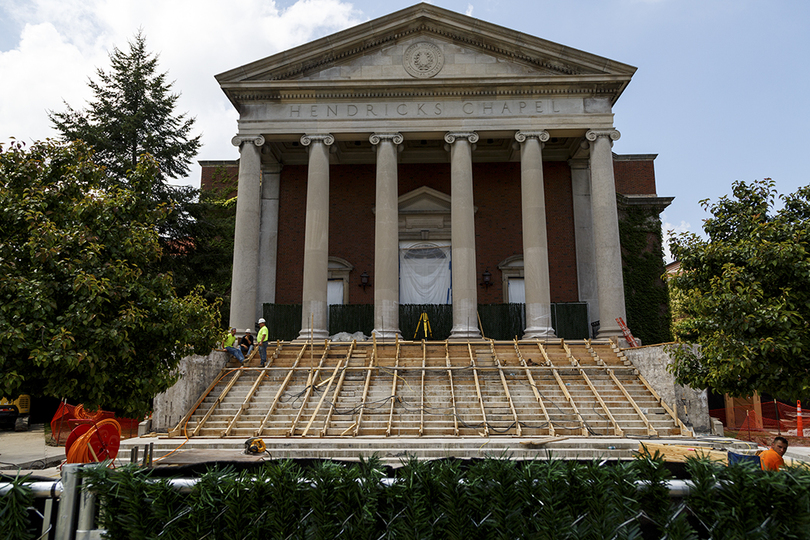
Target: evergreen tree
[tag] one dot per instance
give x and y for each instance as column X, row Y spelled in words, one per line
column 133, row 113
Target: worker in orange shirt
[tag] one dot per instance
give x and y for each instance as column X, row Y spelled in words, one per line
column 771, row 459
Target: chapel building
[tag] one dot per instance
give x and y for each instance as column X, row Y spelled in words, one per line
column 427, row 157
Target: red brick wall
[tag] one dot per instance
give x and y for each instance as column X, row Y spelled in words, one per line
column 634, row 177
column 220, row 176
column 498, row 225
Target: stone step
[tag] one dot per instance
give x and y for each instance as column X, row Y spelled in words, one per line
column 431, row 389
column 396, row 449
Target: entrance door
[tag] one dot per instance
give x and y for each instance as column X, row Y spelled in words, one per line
column 517, row 291
column 424, row 273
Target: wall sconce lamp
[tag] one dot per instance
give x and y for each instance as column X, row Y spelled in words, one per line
column 486, row 279
column 364, row 281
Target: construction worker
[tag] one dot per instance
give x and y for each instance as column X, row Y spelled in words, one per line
column 229, row 342
column 261, row 338
column 771, row 459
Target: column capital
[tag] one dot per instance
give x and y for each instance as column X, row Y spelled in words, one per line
column 612, row 134
column 451, row 136
column 542, row 135
column 377, row 138
column 326, row 138
column 258, row 140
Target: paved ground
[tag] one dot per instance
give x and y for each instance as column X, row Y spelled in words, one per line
column 26, row 452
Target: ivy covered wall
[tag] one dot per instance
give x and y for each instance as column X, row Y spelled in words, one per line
column 645, row 292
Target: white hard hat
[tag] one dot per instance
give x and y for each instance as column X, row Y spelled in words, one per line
column 261, row 321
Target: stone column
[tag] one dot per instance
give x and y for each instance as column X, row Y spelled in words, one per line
column 246, row 234
column 583, row 235
column 535, row 242
column 316, row 239
column 606, row 232
column 268, row 237
column 386, row 237
column 462, row 235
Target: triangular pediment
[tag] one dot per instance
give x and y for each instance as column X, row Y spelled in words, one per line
column 424, row 200
column 422, row 46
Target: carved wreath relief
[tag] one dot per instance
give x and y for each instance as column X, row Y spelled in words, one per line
column 423, row 60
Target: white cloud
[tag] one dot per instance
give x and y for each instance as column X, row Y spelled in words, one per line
column 671, row 230
column 469, row 11
column 64, row 41
column 42, row 71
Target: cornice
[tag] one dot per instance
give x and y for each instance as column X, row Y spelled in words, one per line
column 422, row 91
column 651, row 201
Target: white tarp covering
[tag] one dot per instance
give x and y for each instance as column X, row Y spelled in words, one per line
column 424, row 273
column 517, row 291
column 334, row 292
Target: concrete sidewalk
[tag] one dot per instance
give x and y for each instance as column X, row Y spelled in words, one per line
column 26, row 451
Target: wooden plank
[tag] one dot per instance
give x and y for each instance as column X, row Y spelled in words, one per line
column 281, row 390
column 518, row 428
column 541, row 442
column 393, row 392
column 568, row 354
column 216, row 403
column 478, row 391
column 422, row 406
column 650, row 429
column 426, row 368
column 679, row 454
column 366, row 387
column 245, row 404
column 328, row 386
column 570, row 400
column 617, row 430
column 543, row 352
column 311, row 378
column 684, row 430
column 184, row 421
column 335, row 395
column 534, row 389
column 452, row 390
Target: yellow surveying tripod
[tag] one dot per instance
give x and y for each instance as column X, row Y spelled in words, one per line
column 425, row 324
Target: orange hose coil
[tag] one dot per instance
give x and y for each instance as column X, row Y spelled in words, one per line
column 81, row 412
column 80, row 451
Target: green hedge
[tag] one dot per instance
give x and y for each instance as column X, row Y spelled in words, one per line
column 499, row 321
column 490, row 498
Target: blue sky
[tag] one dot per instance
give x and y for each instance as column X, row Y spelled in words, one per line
column 720, row 93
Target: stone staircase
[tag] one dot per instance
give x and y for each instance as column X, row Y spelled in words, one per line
column 329, row 399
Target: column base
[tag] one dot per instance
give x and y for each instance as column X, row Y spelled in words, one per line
column 539, row 333
column 464, row 334
column 387, row 334
column 606, row 332
column 315, row 334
